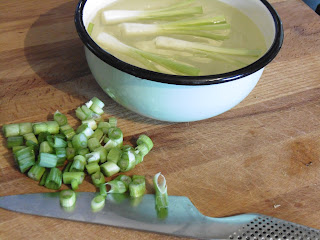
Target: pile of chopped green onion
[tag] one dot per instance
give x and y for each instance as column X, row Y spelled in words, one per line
column 53, row 152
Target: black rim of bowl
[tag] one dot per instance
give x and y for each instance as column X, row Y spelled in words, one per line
column 177, row 79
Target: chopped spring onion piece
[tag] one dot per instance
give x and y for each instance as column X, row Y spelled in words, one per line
column 17, row 148
column 44, row 177
column 138, row 157
column 67, row 131
column 177, row 44
column 30, row 137
column 11, row 130
column 137, row 187
column 146, row 140
column 14, row 141
column 160, row 186
column 93, row 143
column 85, row 129
column 93, row 157
column 54, row 179
column 53, row 127
column 103, row 153
column 67, row 198
column 127, row 161
column 96, row 109
column 92, row 168
column 117, row 186
column 113, row 122
column 115, row 133
column 60, row 118
column 142, row 149
column 98, row 133
column 125, row 179
column 104, row 126
column 80, row 114
column 67, row 167
column 82, row 151
column 25, row 128
column 25, row 158
column 36, row 172
column 71, row 152
column 109, row 42
column 47, row 160
column 43, row 136
column 61, row 154
column 98, row 178
column 56, row 142
column 91, row 123
column 98, row 102
column 39, row 128
column 79, row 141
column 45, row 147
column 114, row 155
column 73, row 178
column 109, row 168
column 78, row 164
column 103, row 190
column 97, row 203
column 90, row 28
column 180, row 9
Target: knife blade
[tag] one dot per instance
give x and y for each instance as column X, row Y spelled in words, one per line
column 182, row 219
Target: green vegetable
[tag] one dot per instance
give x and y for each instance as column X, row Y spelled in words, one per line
column 14, row 141
column 73, row 178
column 36, row 172
column 47, row 160
column 109, row 168
column 54, row 179
column 117, row 186
column 67, row 198
column 79, row 141
column 60, row 118
column 98, row 203
column 160, row 186
column 137, row 187
column 98, row 178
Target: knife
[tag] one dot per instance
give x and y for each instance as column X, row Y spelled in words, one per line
column 182, row 218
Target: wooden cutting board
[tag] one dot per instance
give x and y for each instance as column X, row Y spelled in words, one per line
column 262, row 156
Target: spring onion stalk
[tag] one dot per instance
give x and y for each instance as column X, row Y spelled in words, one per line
column 78, row 164
column 60, row 118
column 103, row 190
column 44, row 177
column 61, row 154
column 36, row 172
column 104, row 126
column 146, row 140
column 113, row 122
column 127, row 161
column 56, row 142
column 138, row 157
column 103, row 153
column 177, row 44
column 180, row 9
column 127, row 148
column 93, row 143
column 14, row 141
column 96, row 109
column 11, row 130
column 43, row 137
column 114, row 155
column 109, row 43
column 83, row 151
column 98, row 179
column 125, row 179
column 188, row 28
column 67, row 198
column 71, row 152
column 80, row 141
column 92, row 168
column 53, row 127
column 67, row 131
column 117, row 186
column 30, row 137
column 109, row 168
column 39, row 127
column 142, row 149
column 93, row 157
column 26, row 163
column 98, row 203
column 91, row 123
column 90, row 28
column 45, row 148
column 160, row 187
column 73, row 178
column 98, row 133
column 54, row 179
column 137, row 187
column 80, row 114
column 25, row 158
column 47, row 160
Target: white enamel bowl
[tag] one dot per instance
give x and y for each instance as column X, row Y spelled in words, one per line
column 179, row 98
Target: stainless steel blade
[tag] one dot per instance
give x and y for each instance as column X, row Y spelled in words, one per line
column 182, row 219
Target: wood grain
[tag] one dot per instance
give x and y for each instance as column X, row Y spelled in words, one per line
column 262, row 156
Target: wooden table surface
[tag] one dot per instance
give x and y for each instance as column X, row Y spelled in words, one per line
column 262, row 156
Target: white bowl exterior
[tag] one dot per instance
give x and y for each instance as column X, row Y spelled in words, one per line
column 169, row 102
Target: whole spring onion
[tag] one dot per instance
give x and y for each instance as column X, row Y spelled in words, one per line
column 109, row 42
column 160, row 187
column 179, row 9
column 67, row 198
